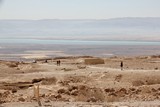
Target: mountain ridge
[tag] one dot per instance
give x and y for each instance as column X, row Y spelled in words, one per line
column 146, row 28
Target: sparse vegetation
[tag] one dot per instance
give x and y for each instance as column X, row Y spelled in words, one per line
column 80, row 83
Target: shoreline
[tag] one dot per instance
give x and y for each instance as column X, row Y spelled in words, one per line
column 22, row 51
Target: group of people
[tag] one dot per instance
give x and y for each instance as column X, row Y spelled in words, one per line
column 58, row 63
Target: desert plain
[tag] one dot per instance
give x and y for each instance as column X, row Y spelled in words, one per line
column 75, row 83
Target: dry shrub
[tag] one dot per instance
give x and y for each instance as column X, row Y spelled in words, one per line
column 52, row 97
column 49, row 81
column 81, row 67
column 145, row 89
column 72, row 87
column 118, row 77
column 37, row 80
column 138, row 91
column 112, row 98
column 132, row 89
column 45, row 81
column 109, row 90
column 4, row 96
column 74, row 92
column 121, row 92
column 81, row 98
column 92, row 99
column 137, row 83
column 83, row 93
column 63, row 82
column 21, row 99
column 12, row 65
column 155, row 56
column 14, row 90
column 55, row 97
column 61, row 91
column 1, row 101
column 154, row 90
column 156, row 68
column 88, row 94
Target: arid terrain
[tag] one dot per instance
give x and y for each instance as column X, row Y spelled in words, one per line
column 76, row 83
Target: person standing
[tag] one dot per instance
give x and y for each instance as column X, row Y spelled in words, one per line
column 59, row 62
column 121, row 65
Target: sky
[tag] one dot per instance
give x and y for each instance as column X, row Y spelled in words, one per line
column 78, row 9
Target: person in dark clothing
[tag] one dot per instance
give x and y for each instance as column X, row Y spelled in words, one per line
column 45, row 61
column 121, row 65
column 58, row 63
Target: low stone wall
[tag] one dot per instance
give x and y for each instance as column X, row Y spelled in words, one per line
column 93, row 61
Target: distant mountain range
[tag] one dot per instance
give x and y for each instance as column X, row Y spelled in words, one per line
column 147, row 29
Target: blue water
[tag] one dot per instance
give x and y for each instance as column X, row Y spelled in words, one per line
column 75, row 42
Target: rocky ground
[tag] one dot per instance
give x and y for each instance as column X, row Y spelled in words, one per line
column 75, row 84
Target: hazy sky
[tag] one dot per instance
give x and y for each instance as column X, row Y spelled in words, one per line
column 78, row 9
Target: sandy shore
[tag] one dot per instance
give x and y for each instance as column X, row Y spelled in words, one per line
column 76, row 84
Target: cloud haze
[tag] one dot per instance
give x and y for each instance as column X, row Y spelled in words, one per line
column 79, row 9
column 1, row 2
